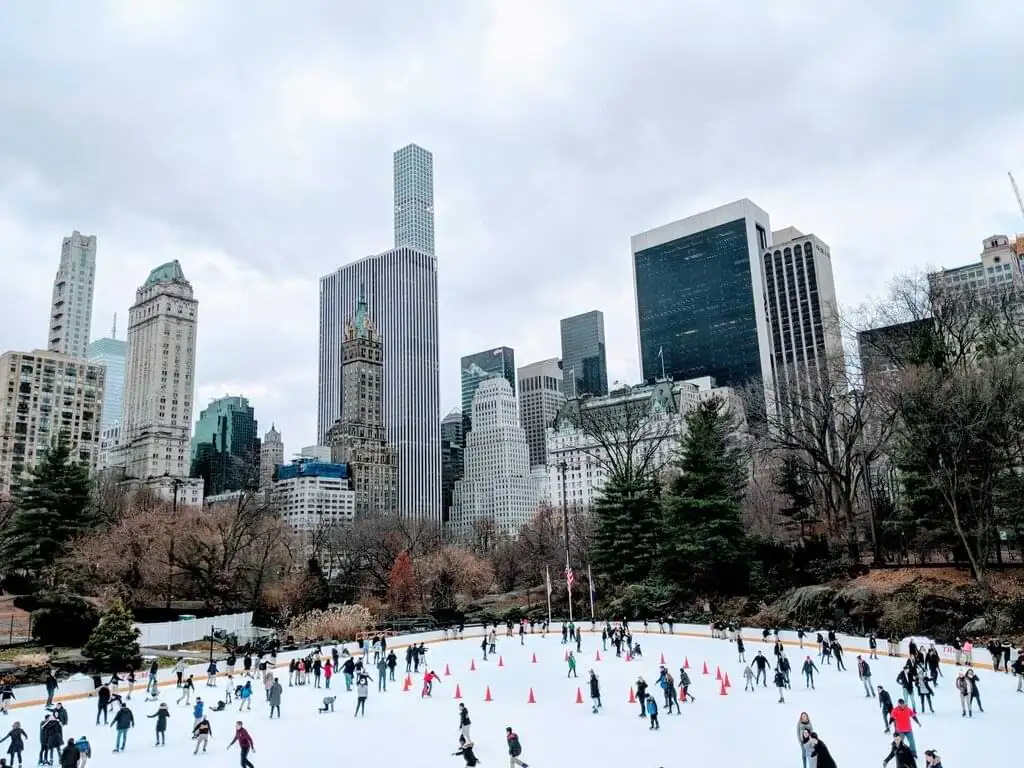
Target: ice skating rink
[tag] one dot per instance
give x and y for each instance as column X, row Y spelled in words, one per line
column 402, row 729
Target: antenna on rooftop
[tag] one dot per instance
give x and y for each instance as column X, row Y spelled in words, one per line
column 1016, row 192
column 113, row 331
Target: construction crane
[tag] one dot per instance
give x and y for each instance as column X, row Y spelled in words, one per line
column 1013, row 183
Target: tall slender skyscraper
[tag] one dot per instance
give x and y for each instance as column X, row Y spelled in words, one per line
column 160, row 377
column 401, row 286
column 700, row 297
column 271, row 457
column 111, row 353
column 414, row 198
column 71, row 307
column 540, row 399
column 475, row 369
column 584, row 361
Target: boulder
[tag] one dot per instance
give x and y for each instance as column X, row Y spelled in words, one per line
column 974, row 627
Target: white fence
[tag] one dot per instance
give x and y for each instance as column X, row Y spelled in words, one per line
column 170, row 633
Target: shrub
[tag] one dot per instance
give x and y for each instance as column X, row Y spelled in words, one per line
column 114, row 642
column 341, row 624
column 64, row 620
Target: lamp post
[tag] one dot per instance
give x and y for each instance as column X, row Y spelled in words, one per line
column 563, row 468
column 176, row 482
column 213, row 633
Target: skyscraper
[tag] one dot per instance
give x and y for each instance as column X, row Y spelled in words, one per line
column 358, row 439
column 584, row 364
column 271, row 457
column 540, row 399
column 225, row 448
column 498, row 488
column 111, row 353
column 159, row 377
column 477, row 368
column 700, row 297
column 414, row 198
column 71, row 307
column 451, row 459
column 803, row 320
column 401, row 286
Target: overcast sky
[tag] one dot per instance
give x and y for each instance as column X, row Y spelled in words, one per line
column 252, row 141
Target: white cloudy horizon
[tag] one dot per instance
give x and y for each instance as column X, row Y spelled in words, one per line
column 253, row 142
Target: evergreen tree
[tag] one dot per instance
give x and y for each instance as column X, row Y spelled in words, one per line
column 627, row 528
column 114, row 642
column 704, row 541
column 52, row 506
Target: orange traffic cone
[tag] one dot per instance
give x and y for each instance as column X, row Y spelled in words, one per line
column 501, row 661
column 705, row 670
column 534, row 658
column 718, row 674
column 629, row 657
column 579, row 696
column 487, row 695
column 598, row 656
column 447, row 672
column 632, row 696
column 407, row 684
column 472, row 665
column 663, row 658
column 531, row 700
column 726, row 682
column 723, row 692
column 458, row 691
column 686, row 662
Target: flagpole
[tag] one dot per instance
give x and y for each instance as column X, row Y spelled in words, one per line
column 568, row 583
column 590, row 580
column 547, row 576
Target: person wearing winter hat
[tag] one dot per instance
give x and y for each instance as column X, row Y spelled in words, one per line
column 932, row 759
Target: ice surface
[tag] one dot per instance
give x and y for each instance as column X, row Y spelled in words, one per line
column 401, row 729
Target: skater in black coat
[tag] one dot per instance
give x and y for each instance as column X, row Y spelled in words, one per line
column 466, row 752
column 819, row 752
column 900, row 751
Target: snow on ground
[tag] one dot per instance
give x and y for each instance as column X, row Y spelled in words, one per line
column 401, row 729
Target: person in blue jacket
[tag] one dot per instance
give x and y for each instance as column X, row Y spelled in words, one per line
column 197, row 712
column 84, row 751
column 652, row 714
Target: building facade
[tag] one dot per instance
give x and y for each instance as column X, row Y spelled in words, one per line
column 477, row 368
column 271, row 457
column 112, row 354
column 803, row 317
column 579, row 460
column 310, row 495
column 540, row 400
column 584, row 361
column 225, row 447
column 358, row 439
column 414, row 198
column 43, row 396
column 159, row 377
column 497, row 488
column 452, row 467
column 700, row 297
column 73, row 289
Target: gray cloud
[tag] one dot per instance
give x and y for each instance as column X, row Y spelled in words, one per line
column 253, row 141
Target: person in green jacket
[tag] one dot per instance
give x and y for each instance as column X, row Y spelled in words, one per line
column 572, row 665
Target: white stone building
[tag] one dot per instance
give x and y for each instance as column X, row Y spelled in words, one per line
column 160, row 378
column 540, row 400
column 497, row 486
column 44, row 395
column 578, row 459
column 309, row 494
column 73, row 288
column 271, row 457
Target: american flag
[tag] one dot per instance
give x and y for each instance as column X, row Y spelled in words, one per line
column 569, row 578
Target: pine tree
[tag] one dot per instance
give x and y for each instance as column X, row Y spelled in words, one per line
column 627, row 528
column 704, row 541
column 114, row 642
column 52, row 506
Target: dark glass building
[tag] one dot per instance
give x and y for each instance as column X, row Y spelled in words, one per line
column 500, row 361
column 584, row 365
column 225, row 448
column 451, row 459
column 700, row 298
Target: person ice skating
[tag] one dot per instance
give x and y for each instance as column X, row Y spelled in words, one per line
column 275, row 698
column 69, row 755
column 515, row 749
column 211, row 675
column 595, row 692
column 61, row 713
column 84, row 751
column 51, row 736
column 902, row 752
column 901, row 717
column 864, row 674
column 6, row 697
column 466, row 749
column 906, row 679
column 972, row 685
column 932, row 759
column 761, row 666
column 741, row 655
column 885, row 703
column 684, row 686
column 837, row 652
column 652, row 714
column 924, row 693
column 820, row 756
column 382, row 673
column 1018, row 672
column 803, row 735
column 748, row 679
column 17, row 737
column 328, row 705
column 161, row 715
column 245, row 696
column 963, row 688
column 780, row 683
column 123, row 720
column 808, row 669
column 571, row 661
column 362, row 692
column 186, row 691
column 197, row 711
column 392, row 663
column 429, row 678
column 873, row 646
column 245, row 744
column 202, row 733
column 51, row 688
column 641, row 695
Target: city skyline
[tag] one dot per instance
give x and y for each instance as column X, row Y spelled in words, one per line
column 263, row 185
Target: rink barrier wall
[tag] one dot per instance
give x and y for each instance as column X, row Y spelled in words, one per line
column 167, row 633
column 81, row 687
